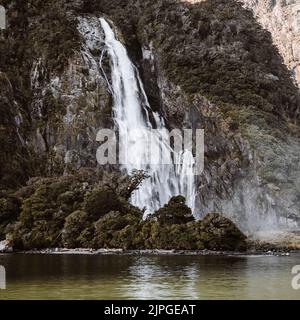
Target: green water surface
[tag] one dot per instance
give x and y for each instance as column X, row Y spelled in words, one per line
column 58, row 276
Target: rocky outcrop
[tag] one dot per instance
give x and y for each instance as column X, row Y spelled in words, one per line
column 5, row 247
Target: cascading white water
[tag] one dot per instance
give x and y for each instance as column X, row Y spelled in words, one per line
column 132, row 114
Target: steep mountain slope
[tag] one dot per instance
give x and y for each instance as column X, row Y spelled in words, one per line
column 216, row 68
column 205, row 64
column 282, row 19
column 57, row 97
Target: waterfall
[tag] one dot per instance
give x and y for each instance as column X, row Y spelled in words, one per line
column 135, row 122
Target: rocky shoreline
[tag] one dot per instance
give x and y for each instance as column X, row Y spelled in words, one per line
column 152, row 252
column 254, row 247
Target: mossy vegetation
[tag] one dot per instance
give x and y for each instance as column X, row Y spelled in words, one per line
column 216, row 48
column 101, row 201
column 37, row 30
column 76, row 211
column 10, row 208
column 74, row 229
column 175, row 212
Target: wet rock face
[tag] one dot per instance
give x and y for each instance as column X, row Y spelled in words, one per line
column 13, row 157
column 58, row 94
column 282, row 19
column 82, row 99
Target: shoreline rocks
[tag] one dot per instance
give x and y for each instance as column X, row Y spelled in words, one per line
column 154, row 252
column 5, row 247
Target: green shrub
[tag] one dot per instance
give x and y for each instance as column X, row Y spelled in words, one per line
column 10, row 208
column 75, row 224
column 101, row 201
column 175, row 212
column 219, row 233
column 106, row 229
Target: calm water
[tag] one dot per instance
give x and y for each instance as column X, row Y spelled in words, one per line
column 148, row 277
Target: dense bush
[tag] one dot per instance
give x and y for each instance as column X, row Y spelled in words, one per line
column 175, row 212
column 74, row 211
column 75, row 224
column 10, row 208
column 101, row 201
column 46, row 203
column 220, row 233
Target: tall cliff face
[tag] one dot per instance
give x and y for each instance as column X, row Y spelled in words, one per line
column 72, row 105
column 282, row 19
column 205, row 64
column 53, row 96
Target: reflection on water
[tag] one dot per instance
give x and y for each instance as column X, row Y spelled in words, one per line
column 148, row 277
column 157, row 277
